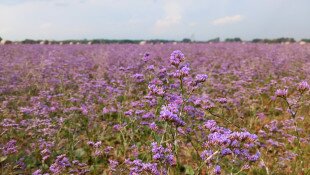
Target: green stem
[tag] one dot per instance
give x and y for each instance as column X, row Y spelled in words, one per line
column 223, row 119
column 124, row 144
column 164, row 135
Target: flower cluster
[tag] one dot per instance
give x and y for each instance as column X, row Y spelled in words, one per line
column 183, row 72
column 303, row 86
column 146, row 57
column 138, row 167
column 169, row 114
column 61, row 164
column 79, row 168
column 113, row 109
column 113, row 164
column 45, row 148
column 200, row 78
column 226, row 142
column 9, row 148
column 163, row 155
column 96, row 146
column 138, row 77
column 154, row 89
column 176, row 58
column 281, row 92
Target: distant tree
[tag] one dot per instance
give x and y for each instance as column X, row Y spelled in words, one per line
column 84, row 41
column 306, row 40
column 30, row 41
column 268, row 41
column 0, row 38
column 233, row 40
column 44, row 42
column 96, row 41
column 256, row 40
column 214, row 40
column 186, row 40
column 277, row 40
column 283, row 40
column 157, row 41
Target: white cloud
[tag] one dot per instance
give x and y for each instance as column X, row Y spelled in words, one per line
column 228, row 20
column 173, row 17
column 46, row 26
column 4, row 31
column 192, row 24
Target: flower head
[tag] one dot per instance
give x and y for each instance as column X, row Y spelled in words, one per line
column 200, row 78
column 217, row 170
column 281, row 92
column 176, row 57
column 303, row 86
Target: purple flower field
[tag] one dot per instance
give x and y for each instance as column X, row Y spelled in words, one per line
column 194, row 109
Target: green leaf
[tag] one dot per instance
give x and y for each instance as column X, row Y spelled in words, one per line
column 189, row 170
column 3, row 158
column 80, row 152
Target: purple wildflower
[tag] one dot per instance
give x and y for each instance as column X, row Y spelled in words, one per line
column 113, row 164
column 200, row 78
column 9, row 148
column 281, row 92
column 162, row 154
column 217, row 170
column 37, row 172
column 176, row 58
column 167, row 114
column 303, row 86
column 60, row 164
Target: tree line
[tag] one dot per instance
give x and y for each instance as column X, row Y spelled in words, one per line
column 156, row 41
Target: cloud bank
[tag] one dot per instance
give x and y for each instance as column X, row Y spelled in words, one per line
column 228, row 20
column 149, row 19
column 173, row 17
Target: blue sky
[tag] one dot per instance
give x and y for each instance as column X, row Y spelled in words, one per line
column 150, row 19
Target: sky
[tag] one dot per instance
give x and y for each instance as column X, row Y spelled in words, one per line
column 154, row 19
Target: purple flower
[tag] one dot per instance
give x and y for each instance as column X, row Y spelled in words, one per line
column 9, row 148
column 149, row 115
column 128, row 113
column 217, row 170
column 153, row 126
column 84, row 110
column 37, row 172
column 60, row 164
column 167, row 114
column 226, row 151
column 255, row 157
column 281, row 92
column 303, row 86
column 138, row 167
column 155, row 89
column 113, row 164
column 200, row 78
column 222, row 100
column 97, row 144
column 210, row 124
column 108, row 149
column 150, row 67
column 176, row 58
column 261, row 116
column 105, row 110
column 162, row 154
column 138, row 77
column 117, row 127
column 146, row 57
column 185, row 71
column 205, row 154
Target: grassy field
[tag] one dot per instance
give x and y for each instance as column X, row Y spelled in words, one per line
column 222, row 108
